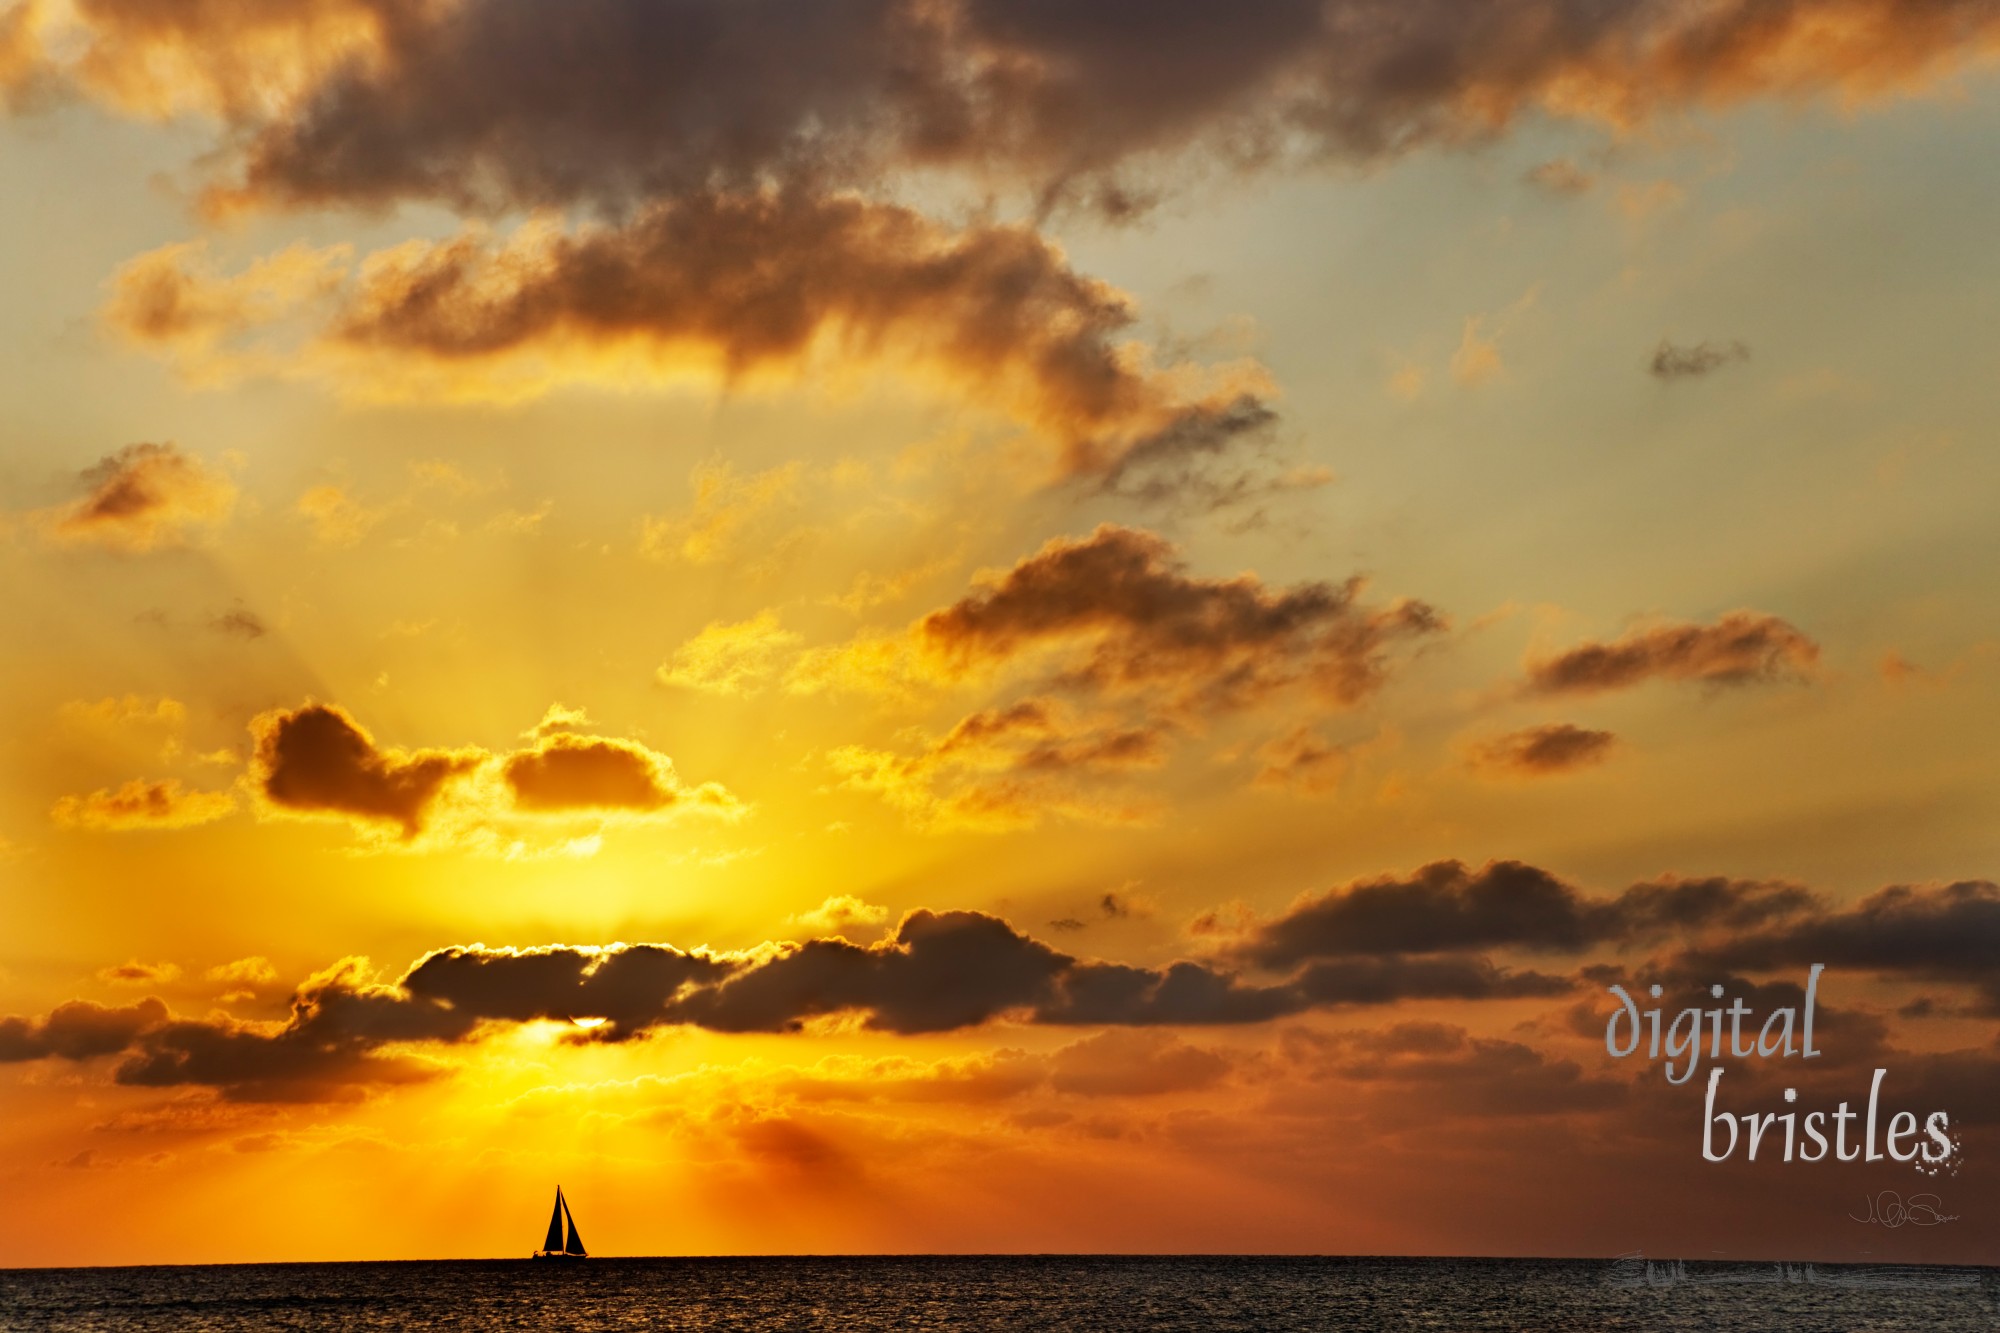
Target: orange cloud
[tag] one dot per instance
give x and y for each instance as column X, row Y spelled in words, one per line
column 143, row 497
column 1014, row 767
column 317, row 760
column 1302, row 761
column 1555, row 747
column 136, row 973
column 175, row 300
column 566, row 772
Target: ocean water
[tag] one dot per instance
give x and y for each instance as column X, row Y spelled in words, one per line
column 1070, row 1294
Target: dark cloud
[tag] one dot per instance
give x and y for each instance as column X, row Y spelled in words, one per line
column 938, row 972
column 1123, row 604
column 317, row 760
column 501, row 104
column 78, row 1030
column 1671, row 363
column 1120, row 906
column 1449, row 907
column 742, row 282
column 1385, row 980
column 1555, row 747
column 632, row 987
column 1946, row 933
column 1742, row 648
column 1375, row 943
column 1183, row 993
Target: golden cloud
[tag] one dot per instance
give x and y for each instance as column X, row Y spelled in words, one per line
column 141, row 804
column 736, row 658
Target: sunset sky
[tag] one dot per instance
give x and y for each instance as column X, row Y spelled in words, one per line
column 967, row 625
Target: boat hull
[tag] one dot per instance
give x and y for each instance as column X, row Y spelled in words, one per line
column 556, row 1254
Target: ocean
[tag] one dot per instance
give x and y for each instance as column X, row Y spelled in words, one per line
column 1063, row 1294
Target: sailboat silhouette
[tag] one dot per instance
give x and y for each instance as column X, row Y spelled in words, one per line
column 553, row 1244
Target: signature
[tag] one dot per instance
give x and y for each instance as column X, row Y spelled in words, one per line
column 1890, row 1209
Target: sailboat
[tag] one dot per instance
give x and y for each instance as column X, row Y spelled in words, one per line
column 553, row 1244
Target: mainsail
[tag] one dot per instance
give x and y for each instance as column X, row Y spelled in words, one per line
column 554, row 1240
column 575, row 1245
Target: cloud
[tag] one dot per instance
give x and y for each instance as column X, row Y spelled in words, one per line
column 1946, row 933
column 1533, row 752
column 564, row 772
column 1671, row 363
column 255, row 970
column 731, row 658
column 839, row 914
column 1422, row 1070
column 723, row 286
column 1477, row 359
column 1372, row 943
column 557, row 719
column 1407, row 381
column 143, row 497
column 1388, row 979
column 725, row 505
column 337, row 518
column 1134, row 1064
column 238, row 623
column 488, row 105
column 1742, row 648
column 1115, row 622
column 175, row 300
column 317, row 760
column 141, row 804
column 1013, row 767
column 1123, row 905
column 1448, row 907
column 27, row 82
column 1120, row 606
column 136, row 973
column 78, row 1030
column 1560, row 176
column 1303, row 762
column 938, row 971
column 130, row 711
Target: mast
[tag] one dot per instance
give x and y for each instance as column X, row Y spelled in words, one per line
column 553, row 1242
column 575, row 1245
